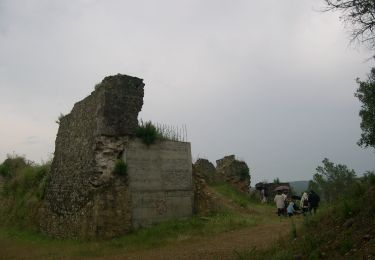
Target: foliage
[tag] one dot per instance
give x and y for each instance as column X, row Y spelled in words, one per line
column 276, row 181
column 22, row 191
column 369, row 177
column 359, row 15
column 61, row 116
column 120, row 168
column 150, row 132
column 174, row 133
column 4, row 171
column 236, row 196
column 12, row 164
column 244, row 174
column 366, row 94
column 147, row 132
column 332, row 181
column 332, row 233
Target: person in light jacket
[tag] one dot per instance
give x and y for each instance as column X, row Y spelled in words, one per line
column 280, row 203
column 304, row 203
column 290, row 208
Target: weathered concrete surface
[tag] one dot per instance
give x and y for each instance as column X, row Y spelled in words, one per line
column 160, row 181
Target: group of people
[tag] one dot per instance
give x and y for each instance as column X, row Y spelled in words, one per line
column 309, row 202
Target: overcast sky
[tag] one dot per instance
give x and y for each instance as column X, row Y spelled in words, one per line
column 269, row 81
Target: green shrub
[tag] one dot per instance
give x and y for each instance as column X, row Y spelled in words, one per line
column 22, row 192
column 13, row 163
column 369, row 178
column 4, row 171
column 245, row 174
column 26, row 180
column 147, row 132
column 120, row 168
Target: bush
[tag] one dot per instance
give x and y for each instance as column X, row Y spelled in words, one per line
column 30, row 179
column 120, row 168
column 22, row 192
column 244, row 174
column 4, row 171
column 12, row 164
column 147, row 132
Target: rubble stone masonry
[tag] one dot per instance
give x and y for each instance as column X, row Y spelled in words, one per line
column 84, row 198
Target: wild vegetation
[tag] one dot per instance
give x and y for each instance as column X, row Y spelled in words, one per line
column 120, row 168
column 150, row 132
column 22, row 191
column 342, row 228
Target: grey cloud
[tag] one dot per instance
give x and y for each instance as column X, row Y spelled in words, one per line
column 270, row 83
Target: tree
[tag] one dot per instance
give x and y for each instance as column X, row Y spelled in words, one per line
column 359, row 15
column 366, row 94
column 332, row 181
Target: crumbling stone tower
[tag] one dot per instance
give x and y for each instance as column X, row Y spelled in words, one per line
column 84, row 197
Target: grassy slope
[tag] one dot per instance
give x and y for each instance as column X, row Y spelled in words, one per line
column 238, row 212
column 345, row 230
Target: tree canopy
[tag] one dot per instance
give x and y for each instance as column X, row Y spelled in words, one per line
column 366, row 94
column 331, row 181
column 359, row 16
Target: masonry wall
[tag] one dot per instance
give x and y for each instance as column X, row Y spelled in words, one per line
column 84, row 197
column 160, row 181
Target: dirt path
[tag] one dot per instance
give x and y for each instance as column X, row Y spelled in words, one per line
column 221, row 246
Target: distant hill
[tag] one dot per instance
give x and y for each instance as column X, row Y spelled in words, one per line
column 299, row 186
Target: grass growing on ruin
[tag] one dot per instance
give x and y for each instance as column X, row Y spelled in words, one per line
column 147, row 132
column 121, row 168
column 236, row 196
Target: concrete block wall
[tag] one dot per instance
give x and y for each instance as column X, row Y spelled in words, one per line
column 160, row 181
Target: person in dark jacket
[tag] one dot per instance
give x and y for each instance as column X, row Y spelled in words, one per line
column 314, row 200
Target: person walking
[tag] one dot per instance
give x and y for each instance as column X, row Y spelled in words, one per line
column 280, row 202
column 314, row 200
column 304, row 204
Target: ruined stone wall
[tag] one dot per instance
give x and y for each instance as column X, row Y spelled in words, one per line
column 205, row 169
column 235, row 172
column 84, row 198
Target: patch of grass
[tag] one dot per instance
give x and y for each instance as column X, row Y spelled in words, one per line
column 147, row 132
column 120, row 168
column 236, row 196
column 155, row 236
column 293, row 229
column 163, row 233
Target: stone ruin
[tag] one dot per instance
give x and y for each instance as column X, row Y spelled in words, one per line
column 229, row 170
column 84, row 197
column 235, row 172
